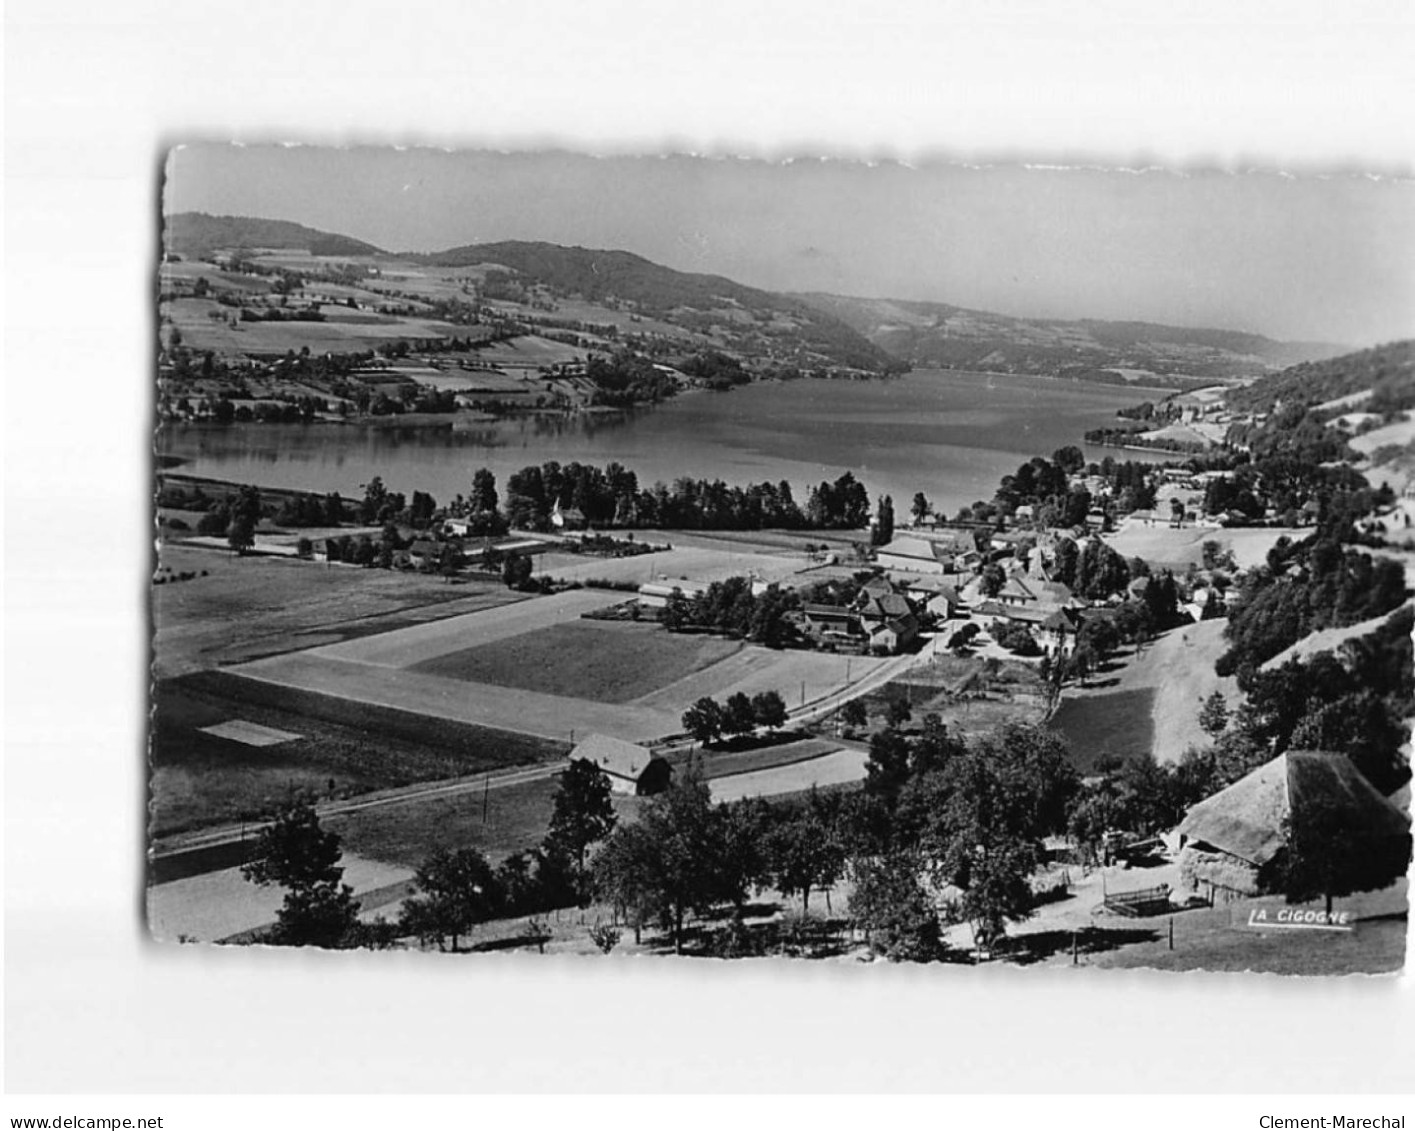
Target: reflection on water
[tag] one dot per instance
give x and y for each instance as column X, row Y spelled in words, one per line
column 951, row 435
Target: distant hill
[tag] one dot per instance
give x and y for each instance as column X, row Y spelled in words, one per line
column 937, row 335
column 801, row 331
column 600, row 276
column 1387, row 372
column 197, row 234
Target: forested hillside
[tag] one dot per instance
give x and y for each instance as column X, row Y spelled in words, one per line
column 607, row 276
column 1388, row 371
column 197, row 234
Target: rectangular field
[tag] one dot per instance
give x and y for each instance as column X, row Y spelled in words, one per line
column 606, row 662
column 344, row 749
column 1104, row 729
column 840, row 768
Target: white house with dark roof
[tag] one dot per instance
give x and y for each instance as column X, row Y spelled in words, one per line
column 915, row 555
column 630, row 768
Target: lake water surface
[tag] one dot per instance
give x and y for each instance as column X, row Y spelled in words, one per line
column 951, row 435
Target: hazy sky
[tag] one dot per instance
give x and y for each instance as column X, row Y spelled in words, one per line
column 1314, row 258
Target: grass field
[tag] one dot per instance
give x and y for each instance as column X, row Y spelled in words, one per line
column 256, row 606
column 1115, row 727
column 1176, row 672
column 840, row 767
column 1220, row 939
column 606, row 662
column 343, row 750
column 516, row 816
column 1175, row 549
column 514, row 819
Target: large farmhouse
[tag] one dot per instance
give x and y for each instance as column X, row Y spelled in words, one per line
column 1236, row 842
column 915, row 555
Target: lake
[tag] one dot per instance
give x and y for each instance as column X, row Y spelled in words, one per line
column 949, row 434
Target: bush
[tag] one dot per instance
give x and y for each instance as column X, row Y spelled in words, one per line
column 1017, row 639
column 605, row 937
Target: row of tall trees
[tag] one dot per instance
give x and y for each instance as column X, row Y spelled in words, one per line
column 707, row 720
column 731, row 608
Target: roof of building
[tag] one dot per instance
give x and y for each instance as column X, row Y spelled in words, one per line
column 922, row 548
column 935, row 586
column 614, row 756
column 423, row 546
column 664, row 587
column 885, row 606
column 1248, row 819
column 1017, row 588
column 828, row 612
column 900, row 626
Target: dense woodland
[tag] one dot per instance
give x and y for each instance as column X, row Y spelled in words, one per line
column 1388, row 370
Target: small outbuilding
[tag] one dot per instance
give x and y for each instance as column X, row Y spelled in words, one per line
column 631, row 768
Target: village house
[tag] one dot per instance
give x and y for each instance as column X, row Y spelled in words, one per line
column 881, row 619
column 655, row 594
column 567, row 518
column 915, row 555
column 631, row 769
column 938, row 594
column 422, row 554
column 833, row 625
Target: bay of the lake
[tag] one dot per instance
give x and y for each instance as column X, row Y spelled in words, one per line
column 950, row 434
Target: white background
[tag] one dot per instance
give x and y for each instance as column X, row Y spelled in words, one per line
column 94, row 91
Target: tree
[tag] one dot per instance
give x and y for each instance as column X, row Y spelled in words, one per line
column 853, row 713
column 920, row 507
column 889, row 901
column 770, row 709
column 888, row 767
column 516, row 571
column 1213, row 715
column 899, row 712
column 1069, row 459
column 449, row 561
column 993, row 579
column 457, row 891
column 1328, row 857
column 295, row 853
column 624, row 876
column 375, row 497
column 1004, row 795
column 583, row 813
column 739, row 716
column 483, row 498
column 240, row 534
column 674, row 859
column 883, row 532
column 804, row 854
column 1093, row 814
column 704, row 721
